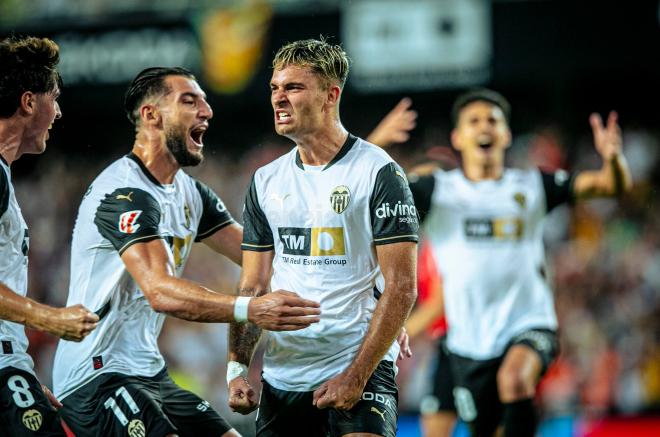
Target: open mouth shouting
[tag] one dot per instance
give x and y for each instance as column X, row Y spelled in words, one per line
column 197, row 133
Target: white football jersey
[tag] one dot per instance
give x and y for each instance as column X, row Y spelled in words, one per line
column 323, row 224
column 487, row 239
column 123, row 206
column 14, row 245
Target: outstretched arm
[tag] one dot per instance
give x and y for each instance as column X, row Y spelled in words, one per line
column 398, row 263
column 614, row 176
column 70, row 323
column 243, row 337
column 151, row 268
column 396, row 126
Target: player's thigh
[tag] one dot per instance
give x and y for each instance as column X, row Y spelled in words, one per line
column 117, row 405
column 192, row 415
column 475, row 393
column 24, row 408
column 375, row 413
column 285, row 413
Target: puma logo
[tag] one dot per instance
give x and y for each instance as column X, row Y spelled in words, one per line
column 380, row 413
column 125, row 197
column 279, row 199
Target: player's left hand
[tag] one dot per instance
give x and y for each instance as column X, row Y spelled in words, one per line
column 242, row 397
column 396, row 126
column 607, row 139
column 404, row 344
column 51, row 398
column 341, row 392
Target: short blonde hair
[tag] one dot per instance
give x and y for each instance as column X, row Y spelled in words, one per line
column 329, row 61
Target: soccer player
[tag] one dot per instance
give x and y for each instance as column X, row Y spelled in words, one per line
column 135, row 228
column 334, row 220
column 29, row 88
column 485, row 223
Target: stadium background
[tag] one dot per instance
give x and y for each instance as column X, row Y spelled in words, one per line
column 556, row 61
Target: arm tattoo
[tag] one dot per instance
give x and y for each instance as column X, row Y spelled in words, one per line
column 243, row 337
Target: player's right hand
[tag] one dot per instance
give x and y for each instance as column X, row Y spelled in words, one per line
column 72, row 323
column 242, row 398
column 283, row 311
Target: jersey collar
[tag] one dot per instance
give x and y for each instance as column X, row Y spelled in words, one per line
column 345, row 148
column 144, row 168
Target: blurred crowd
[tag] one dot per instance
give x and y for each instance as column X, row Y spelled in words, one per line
column 604, row 258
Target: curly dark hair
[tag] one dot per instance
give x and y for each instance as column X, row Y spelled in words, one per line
column 26, row 64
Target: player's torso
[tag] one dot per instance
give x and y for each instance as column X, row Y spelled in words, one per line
column 487, row 239
column 14, row 245
column 126, row 337
column 320, row 220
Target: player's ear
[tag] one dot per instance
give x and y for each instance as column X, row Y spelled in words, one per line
column 508, row 137
column 150, row 114
column 455, row 139
column 334, row 93
column 28, row 101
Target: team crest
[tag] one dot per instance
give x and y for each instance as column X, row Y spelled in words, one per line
column 136, row 428
column 340, row 198
column 520, row 199
column 32, row 420
column 127, row 221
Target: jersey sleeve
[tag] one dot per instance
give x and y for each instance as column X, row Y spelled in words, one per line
column 214, row 214
column 257, row 235
column 422, row 191
column 558, row 187
column 128, row 216
column 394, row 216
column 4, row 192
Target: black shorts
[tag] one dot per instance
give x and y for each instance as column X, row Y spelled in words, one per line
column 442, row 397
column 475, row 393
column 24, row 408
column 287, row 413
column 114, row 404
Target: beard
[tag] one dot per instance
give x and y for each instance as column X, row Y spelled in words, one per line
column 175, row 139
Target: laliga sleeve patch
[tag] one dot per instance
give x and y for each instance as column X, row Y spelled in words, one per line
column 128, row 222
column 127, row 216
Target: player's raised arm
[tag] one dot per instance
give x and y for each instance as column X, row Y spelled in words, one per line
column 70, row 323
column 614, row 177
column 395, row 127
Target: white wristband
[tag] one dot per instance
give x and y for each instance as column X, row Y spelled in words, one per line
column 235, row 369
column 241, row 309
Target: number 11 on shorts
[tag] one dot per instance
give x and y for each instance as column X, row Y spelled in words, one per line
column 128, row 399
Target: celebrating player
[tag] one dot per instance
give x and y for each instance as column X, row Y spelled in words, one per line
column 134, row 231
column 484, row 222
column 29, row 88
column 334, row 220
